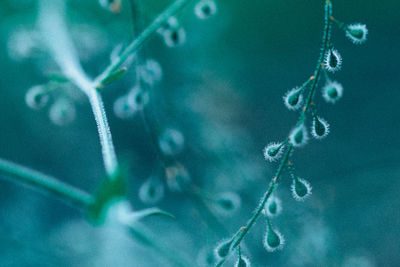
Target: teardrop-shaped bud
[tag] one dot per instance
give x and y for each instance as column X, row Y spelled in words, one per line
column 273, row 151
column 174, row 37
column 205, row 9
column 357, row 33
column 333, row 60
column 273, row 240
column 243, row 262
column 223, row 248
column 171, row 24
column 151, row 191
column 301, row 189
column 171, row 142
column 293, row 99
column 273, row 207
column 320, row 128
column 227, row 203
column 151, row 71
column 37, row 97
column 123, row 108
column 62, row 112
column 332, row 91
column 298, row 137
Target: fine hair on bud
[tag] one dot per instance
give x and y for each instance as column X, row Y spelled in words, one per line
column 122, row 108
column 319, row 128
column 138, row 98
column 293, row 98
column 36, row 97
column 332, row 91
column 223, row 248
column 174, row 37
column 299, row 136
column 273, row 240
column 273, row 207
column 273, row 151
column 177, row 177
column 171, row 142
column 206, row 258
column 301, row 189
column 151, row 191
column 333, row 60
column 62, row 112
column 243, row 262
column 205, row 9
column 227, row 203
column 357, row 33
column 150, row 71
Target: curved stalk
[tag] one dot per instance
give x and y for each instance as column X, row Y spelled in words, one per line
column 46, row 184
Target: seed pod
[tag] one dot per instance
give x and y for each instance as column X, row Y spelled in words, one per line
column 138, row 98
column 62, row 112
column 301, row 189
column 273, row 151
column 243, row 262
column 333, row 60
column 205, row 9
column 150, row 71
column 223, row 248
column 293, row 99
column 320, row 128
column 227, row 203
column 151, row 191
column 332, row 91
column 273, row 240
column 357, row 33
column 36, row 97
column 174, row 37
column 123, row 108
column 298, row 137
column 171, row 142
column 273, row 207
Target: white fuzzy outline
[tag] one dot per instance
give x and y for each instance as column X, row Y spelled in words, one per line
column 357, row 26
column 314, row 133
column 281, row 239
column 305, row 136
column 329, row 85
column 309, row 190
column 269, row 146
column 338, row 58
column 286, row 99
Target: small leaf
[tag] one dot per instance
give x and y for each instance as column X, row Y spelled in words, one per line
column 116, row 75
column 58, row 78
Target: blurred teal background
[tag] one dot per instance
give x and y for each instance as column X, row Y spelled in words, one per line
column 223, row 90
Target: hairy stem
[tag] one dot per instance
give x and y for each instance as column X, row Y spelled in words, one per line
column 46, row 183
column 138, row 42
column 241, row 233
column 51, row 23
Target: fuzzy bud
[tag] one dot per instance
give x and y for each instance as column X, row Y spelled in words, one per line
column 332, row 91
column 357, row 33
column 333, row 60
column 171, row 142
column 273, row 207
column 320, row 128
column 205, row 9
column 227, row 203
column 273, row 151
column 273, row 240
column 62, row 112
column 298, row 137
column 301, row 189
column 223, row 248
column 151, row 191
column 243, row 262
column 293, row 99
column 174, row 37
column 36, row 97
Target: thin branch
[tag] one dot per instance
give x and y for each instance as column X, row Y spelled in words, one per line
column 46, row 183
column 51, row 23
column 138, row 42
column 241, row 233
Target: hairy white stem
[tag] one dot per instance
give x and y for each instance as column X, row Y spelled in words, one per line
column 62, row 49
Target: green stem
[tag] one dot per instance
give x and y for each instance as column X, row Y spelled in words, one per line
column 241, row 233
column 46, row 183
column 64, row 53
column 138, row 42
